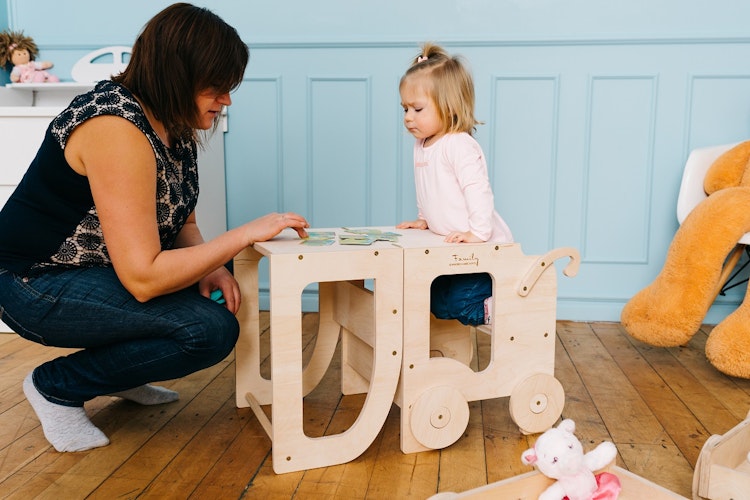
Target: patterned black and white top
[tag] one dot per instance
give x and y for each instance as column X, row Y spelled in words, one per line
column 50, row 219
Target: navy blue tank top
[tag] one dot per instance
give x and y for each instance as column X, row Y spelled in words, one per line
column 50, row 220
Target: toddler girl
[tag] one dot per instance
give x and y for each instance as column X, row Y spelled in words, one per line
column 454, row 196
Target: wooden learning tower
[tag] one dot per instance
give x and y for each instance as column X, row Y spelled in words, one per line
column 434, row 391
column 392, row 347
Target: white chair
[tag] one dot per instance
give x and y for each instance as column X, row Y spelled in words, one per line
column 101, row 64
column 692, row 193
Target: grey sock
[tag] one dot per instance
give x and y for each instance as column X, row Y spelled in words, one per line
column 148, row 395
column 67, row 428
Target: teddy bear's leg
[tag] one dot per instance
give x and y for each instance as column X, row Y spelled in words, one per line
column 728, row 345
column 670, row 310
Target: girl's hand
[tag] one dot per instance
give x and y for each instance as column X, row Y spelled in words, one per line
column 459, row 237
column 413, row 224
column 222, row 279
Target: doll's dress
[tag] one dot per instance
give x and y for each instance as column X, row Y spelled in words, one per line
column 32, row 72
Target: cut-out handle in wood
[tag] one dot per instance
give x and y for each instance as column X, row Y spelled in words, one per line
column 545, row 261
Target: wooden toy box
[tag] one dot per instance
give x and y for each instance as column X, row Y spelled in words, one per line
column 530, row 485
column 723, row 468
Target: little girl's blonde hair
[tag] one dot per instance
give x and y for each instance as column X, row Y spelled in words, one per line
column 449, row 84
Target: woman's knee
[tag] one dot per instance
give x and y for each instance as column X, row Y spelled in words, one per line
column 212, row 334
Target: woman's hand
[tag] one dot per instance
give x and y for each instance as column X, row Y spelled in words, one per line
column 266, row 227
column 413, row 224
column 222, row 279
column 459, row 237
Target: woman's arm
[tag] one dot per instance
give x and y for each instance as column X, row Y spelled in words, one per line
column 221, row 278
column 121, row 168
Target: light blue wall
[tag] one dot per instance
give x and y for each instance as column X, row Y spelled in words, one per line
column 591, row 108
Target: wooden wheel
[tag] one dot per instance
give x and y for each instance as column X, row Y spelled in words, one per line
column 439, row 417
column 537, row 403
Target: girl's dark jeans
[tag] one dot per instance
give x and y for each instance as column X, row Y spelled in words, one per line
column 461, row 297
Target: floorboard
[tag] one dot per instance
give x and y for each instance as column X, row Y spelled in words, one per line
column 658, row 405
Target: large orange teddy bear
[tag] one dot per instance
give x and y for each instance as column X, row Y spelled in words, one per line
column 670, row 310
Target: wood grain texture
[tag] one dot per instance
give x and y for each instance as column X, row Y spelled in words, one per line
column 657, row 405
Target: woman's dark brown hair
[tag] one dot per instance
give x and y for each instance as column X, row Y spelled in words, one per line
column 182, row 51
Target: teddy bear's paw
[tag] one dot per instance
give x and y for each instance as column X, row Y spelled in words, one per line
column 660, row 319
column 728, row 345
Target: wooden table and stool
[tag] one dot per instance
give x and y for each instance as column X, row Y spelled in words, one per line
column 376, row 299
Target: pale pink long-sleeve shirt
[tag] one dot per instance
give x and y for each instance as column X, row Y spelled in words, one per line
column 453, row 189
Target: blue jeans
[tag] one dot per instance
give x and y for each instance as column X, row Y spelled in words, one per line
column 461, row 297
column 124, row 343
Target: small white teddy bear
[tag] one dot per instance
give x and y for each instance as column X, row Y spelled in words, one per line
column 558, row 454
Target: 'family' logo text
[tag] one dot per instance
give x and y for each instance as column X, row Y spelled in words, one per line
column 459, row 260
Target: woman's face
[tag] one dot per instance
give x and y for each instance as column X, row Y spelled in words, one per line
column 210, row 103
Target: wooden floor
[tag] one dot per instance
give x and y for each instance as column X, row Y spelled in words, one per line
column 657, row 405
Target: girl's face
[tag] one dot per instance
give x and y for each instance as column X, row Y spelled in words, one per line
column 210, row 104
column 421, row 116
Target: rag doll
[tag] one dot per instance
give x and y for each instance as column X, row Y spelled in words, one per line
column 19, row 52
